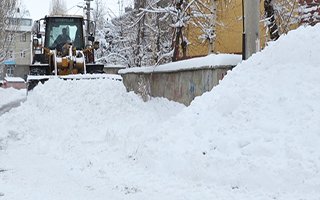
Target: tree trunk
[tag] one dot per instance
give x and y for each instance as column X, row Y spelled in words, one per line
column 7, row 30
column 158, row 35
column 140, row 34
column 179, row 35
column 176, row 44
column 272, row 25
column 213, row 20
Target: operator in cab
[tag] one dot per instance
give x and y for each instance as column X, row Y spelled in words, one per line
column 62, row 39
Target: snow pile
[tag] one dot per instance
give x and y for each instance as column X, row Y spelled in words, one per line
column 86, row 106
column 10, row 94
column 255, row 136
column 76, row 140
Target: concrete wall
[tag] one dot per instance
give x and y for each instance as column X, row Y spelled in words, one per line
column 180, row 86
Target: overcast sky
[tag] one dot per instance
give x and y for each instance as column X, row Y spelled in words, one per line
column 39, row 8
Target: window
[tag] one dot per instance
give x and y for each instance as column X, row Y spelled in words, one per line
column 26, row 22
column 11, row 54
column 20, row 22
column 23, row 37
column 74, row 31
column 10, row 70
column 10, row 37
column 23, row 53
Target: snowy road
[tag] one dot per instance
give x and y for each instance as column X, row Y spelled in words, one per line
column 7, row 107
column 11, row 98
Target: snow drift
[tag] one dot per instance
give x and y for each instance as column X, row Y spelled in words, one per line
column 255, row 136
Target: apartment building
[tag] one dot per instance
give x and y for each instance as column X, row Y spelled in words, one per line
column 19, row 49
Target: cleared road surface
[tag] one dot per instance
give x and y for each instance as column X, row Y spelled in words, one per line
column 7, row 107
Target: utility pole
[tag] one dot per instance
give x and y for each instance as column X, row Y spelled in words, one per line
column 243, row 34
column 251, row 35
column 87, row 11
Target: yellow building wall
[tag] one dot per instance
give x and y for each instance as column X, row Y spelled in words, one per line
column 229, row 27
column 228, row 30
column 197, row 46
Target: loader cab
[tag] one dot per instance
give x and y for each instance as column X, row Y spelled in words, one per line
column 58, row 27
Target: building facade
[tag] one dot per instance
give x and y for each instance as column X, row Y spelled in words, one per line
column 228, row 27
column 18, row 57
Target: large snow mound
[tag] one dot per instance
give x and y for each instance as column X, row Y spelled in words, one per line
column 258, row 132
column 85, row 107
column 74, row 140
column 254, row 136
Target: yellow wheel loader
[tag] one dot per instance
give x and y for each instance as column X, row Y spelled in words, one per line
column 62, row 48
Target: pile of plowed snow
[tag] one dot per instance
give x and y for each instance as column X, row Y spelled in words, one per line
column 258, row 133
column 76, row 140
column 86, row 108
column 255, row 136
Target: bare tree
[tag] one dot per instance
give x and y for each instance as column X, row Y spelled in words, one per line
column 196, row 14
column 154, row 32
column 99, row 13
column 58, row 7
column 140, row 39
column 208, row 26
column 10, row 19
column 271, row 21
column 181, row 18
column 286, row 14
column 310, row 11
column 9, row 22
column 183, row 13
column 119, row 41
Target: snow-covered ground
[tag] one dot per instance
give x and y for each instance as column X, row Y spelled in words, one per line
column 255, row 136
column 10, row 94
